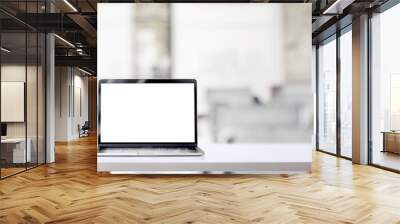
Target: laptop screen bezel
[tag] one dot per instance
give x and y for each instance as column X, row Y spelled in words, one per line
column 145, row 144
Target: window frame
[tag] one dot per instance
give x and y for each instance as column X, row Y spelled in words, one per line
column 334, row 37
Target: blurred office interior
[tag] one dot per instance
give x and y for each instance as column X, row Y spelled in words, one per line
column 251, row 87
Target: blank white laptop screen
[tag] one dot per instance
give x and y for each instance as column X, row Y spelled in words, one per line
column 147, row 113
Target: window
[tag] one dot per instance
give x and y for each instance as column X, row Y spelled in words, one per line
column 385, row 89
column 346, row 93
column 327, row 96
column 334, row 106
column 22, row 78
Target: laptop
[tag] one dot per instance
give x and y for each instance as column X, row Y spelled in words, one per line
column 148, row 117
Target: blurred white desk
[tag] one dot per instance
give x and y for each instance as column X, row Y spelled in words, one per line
column 218, row 158
column 18, row 149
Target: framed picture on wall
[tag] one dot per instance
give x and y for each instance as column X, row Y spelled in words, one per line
column 12, row 101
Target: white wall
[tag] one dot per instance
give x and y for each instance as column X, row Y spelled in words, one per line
column 68, row 82
column 61, row 103
column 79, row 117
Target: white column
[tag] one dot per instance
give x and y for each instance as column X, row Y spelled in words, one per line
column 50, row 99
column 50, row 92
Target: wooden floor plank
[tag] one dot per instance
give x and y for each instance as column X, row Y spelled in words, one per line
column 71, row 191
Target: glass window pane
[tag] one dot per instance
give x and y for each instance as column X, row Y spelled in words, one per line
column 385, row 89
column 346, row 94
column 327, row 96
column 22, row 90
column 13, row 86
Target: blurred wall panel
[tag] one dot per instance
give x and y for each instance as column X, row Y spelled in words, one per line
column 116, row 40
column 252, row 62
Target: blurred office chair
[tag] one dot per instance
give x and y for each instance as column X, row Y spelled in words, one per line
column 84, row 130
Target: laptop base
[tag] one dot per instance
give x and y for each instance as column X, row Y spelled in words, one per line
column 151, row 152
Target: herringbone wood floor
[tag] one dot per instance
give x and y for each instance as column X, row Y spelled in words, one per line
column 70, row 191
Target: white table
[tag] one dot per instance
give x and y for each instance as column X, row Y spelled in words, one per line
column 19, row 153
column 218, row 158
